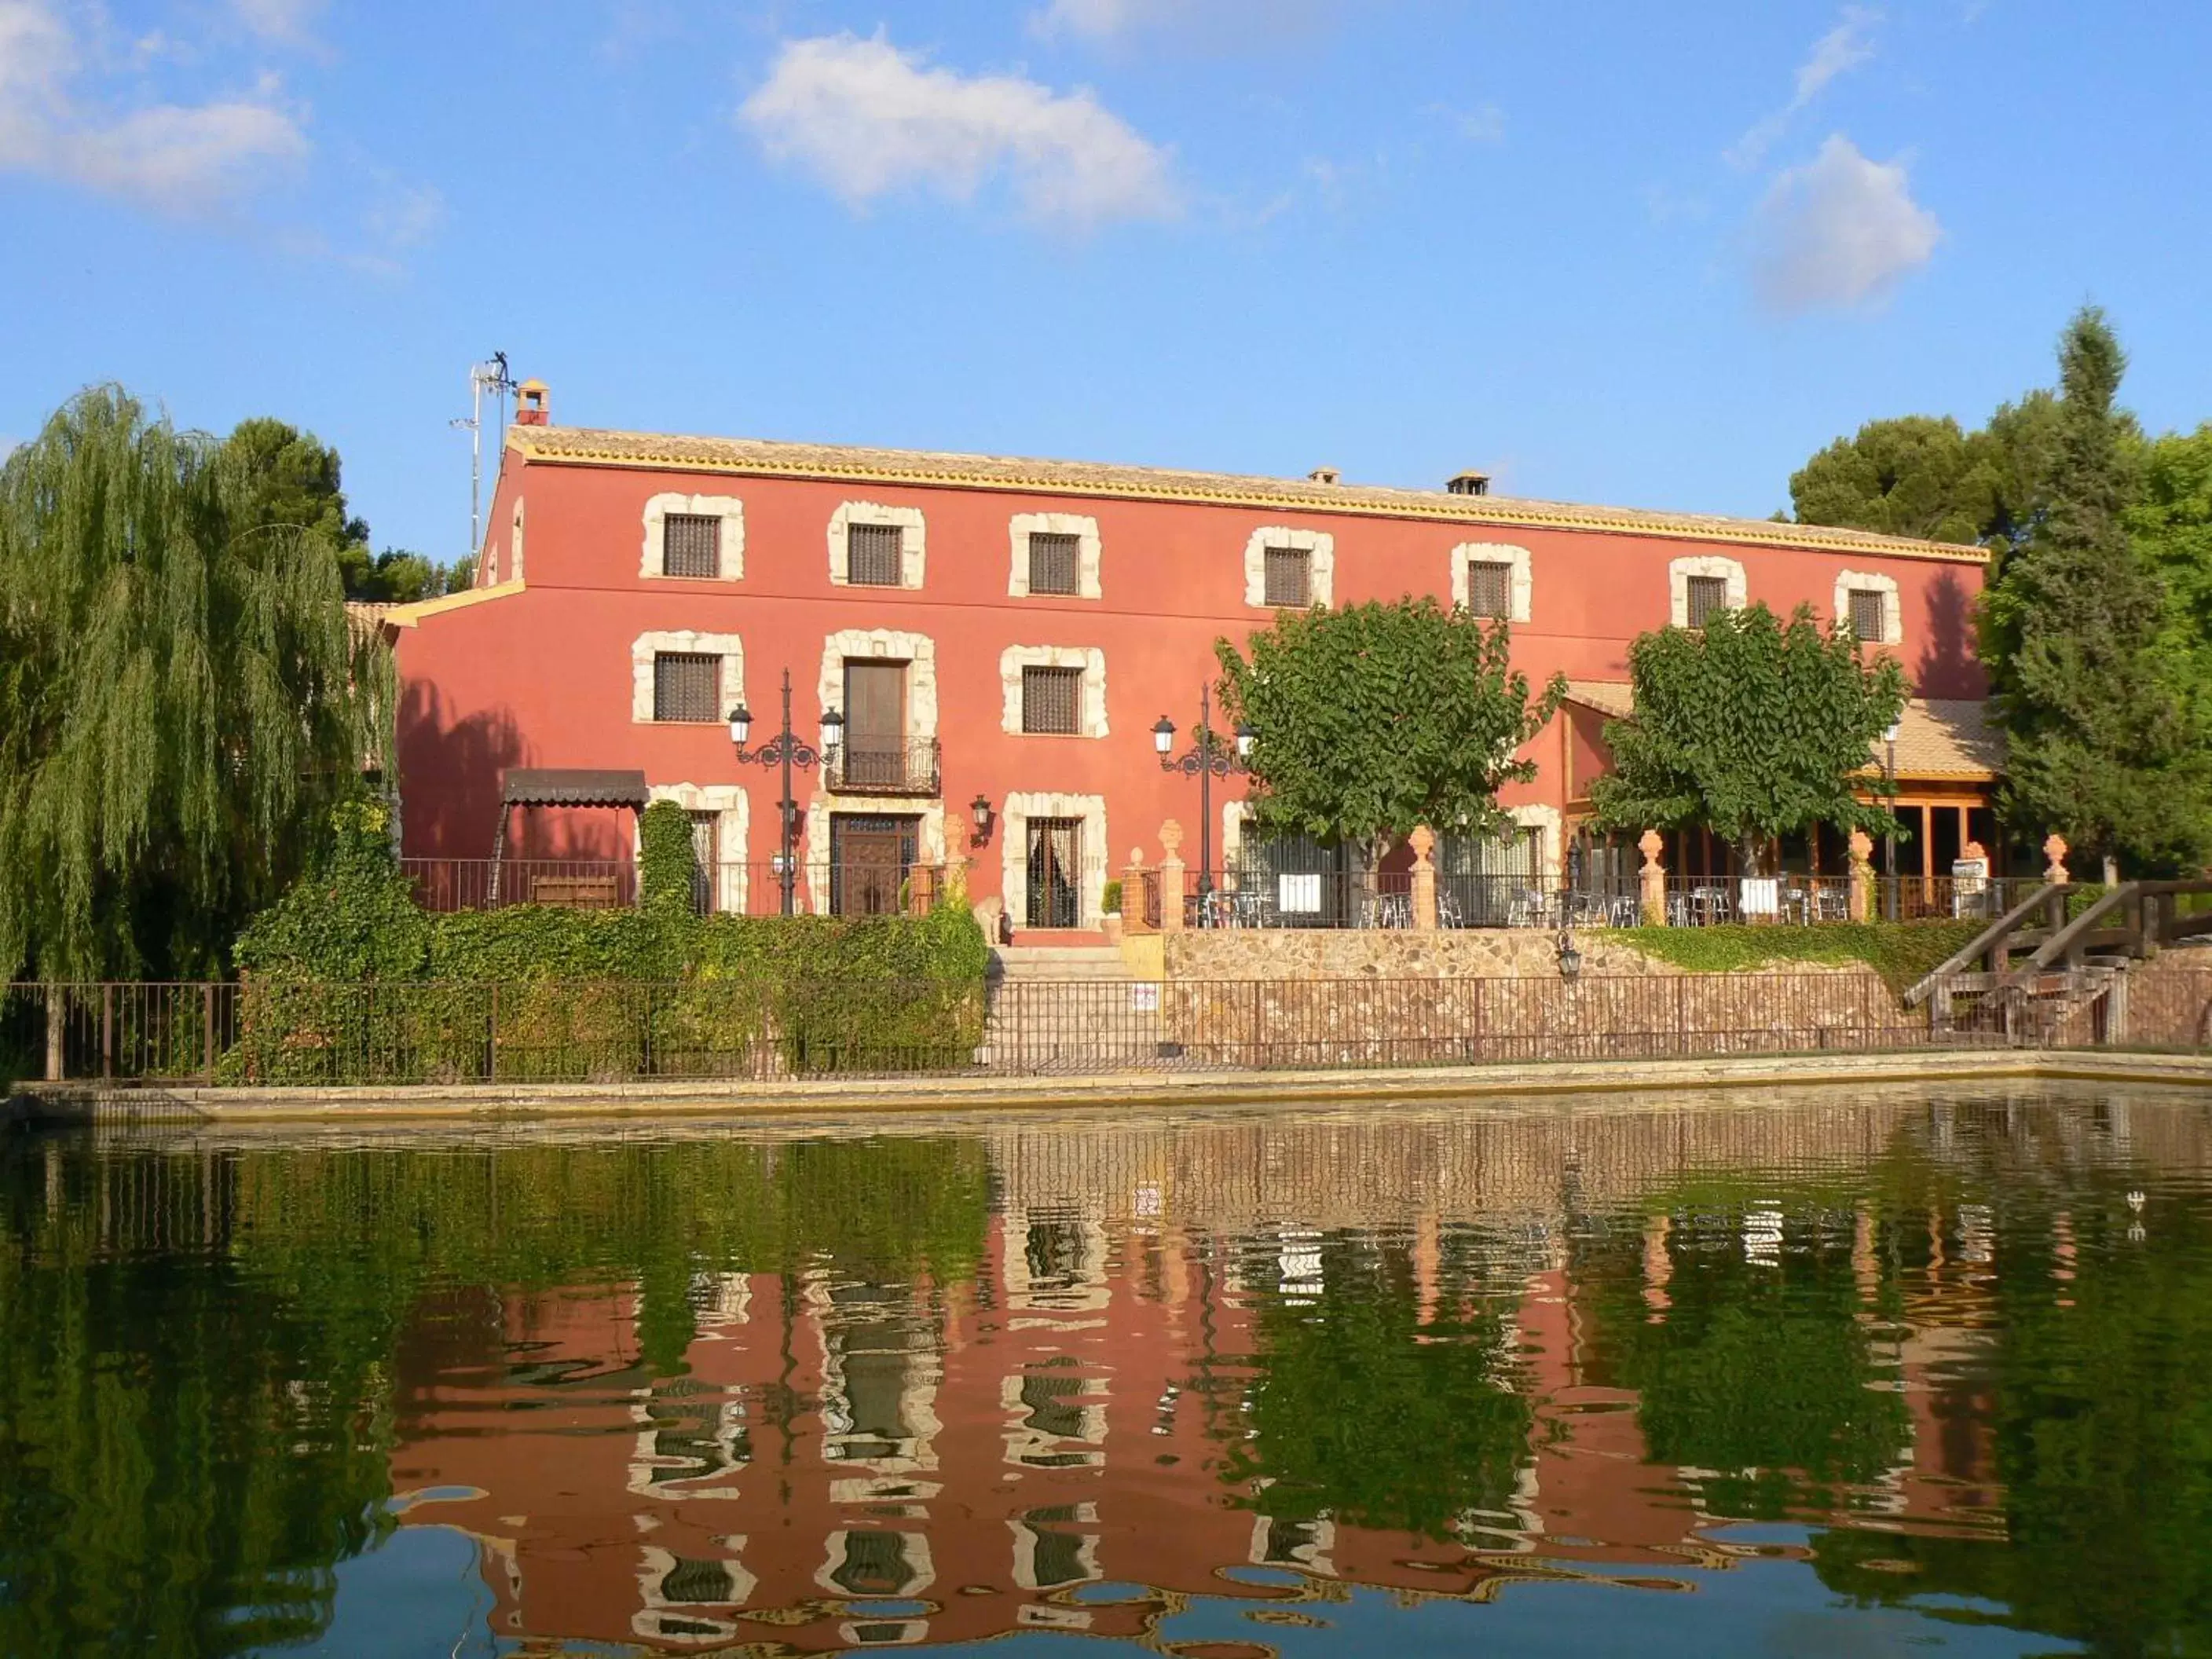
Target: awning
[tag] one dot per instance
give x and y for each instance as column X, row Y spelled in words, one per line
column 553, row 786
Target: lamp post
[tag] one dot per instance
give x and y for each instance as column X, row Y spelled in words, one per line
column 785, row 750
column 1206, row 760
column 1889, row 836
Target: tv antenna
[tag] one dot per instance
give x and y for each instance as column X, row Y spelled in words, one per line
column 488, row 376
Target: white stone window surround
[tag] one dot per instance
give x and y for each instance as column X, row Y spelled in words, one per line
column 514, row 544
column 1320, row 571
column 1679, row 571
column 733, row 825
column 917, row 651
column 1546, row 820
column 653, row 561
column 912, row 546
column 730, row 647
column 814, row 854
column 1083, row 527
column 1523, row 583
column 1014, row 815
column 1892, row 618
column 1090, row 711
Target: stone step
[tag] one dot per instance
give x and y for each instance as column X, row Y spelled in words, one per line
column 1067, row 962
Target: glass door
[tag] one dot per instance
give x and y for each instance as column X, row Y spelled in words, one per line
column 1055, row 869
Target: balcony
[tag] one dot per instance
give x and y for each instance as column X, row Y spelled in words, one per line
column 874, row 767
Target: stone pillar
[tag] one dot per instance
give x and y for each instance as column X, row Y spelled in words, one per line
column 1861, row 894
column 1171, row 875
column 1133, row 919
column 2054, row 849
column 1423, row 841
column 1654, row 875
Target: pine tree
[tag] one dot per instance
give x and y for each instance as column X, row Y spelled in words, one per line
column 181, row 698
column 2106, row 748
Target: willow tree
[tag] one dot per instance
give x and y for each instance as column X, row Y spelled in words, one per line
column 181, row 697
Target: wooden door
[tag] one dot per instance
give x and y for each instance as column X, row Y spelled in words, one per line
column 875, row 724
column 870, row 860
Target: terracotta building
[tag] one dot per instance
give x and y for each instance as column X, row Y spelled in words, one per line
column 998, row 637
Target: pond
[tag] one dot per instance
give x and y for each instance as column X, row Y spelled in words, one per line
column 1822, row 1373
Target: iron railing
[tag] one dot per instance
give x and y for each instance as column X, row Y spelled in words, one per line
column 744, row 888
column 273, row 1033
column 907, row 766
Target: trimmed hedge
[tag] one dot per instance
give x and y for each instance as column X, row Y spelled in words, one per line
column 1902, row 952
column 347, row 979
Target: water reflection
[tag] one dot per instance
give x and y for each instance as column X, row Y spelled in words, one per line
column 1754, row 1376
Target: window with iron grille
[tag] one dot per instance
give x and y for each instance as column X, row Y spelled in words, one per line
column 1053, row 562
column 686, row 686
column 1708, row 597
column 1289, row 576
column 1052, row 701
column 1870, row 612
column 1489, row 588
column 873, row 554
column 690, row 545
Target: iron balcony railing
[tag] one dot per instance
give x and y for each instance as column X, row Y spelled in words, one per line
column 907, row 766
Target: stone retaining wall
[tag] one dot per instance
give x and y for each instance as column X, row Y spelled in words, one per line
column 1249, row 953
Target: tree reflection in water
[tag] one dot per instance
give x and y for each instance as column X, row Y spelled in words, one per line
column 1133, row 1380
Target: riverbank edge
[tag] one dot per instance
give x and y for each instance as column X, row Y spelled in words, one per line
column 97, row 1103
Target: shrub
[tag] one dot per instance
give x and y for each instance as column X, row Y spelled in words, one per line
column 1109, row 898
column 667, row 861
column 1902, row 952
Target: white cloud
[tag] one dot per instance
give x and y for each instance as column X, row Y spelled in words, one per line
column 1838, row 231
column 1839, row 51
column 179, row 158
column 405, row 215
column 869, row 120
column 285, row 21
column 1485, row 124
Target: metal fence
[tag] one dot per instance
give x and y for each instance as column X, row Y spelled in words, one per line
column 265, row 1034
column 747, row 889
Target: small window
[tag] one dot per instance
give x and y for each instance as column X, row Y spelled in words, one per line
column 1708, row 597
column 1052, row 700
column 1054, row 563
column 686, row 686
column 873, row 554
column 1289, row 579
column 690, row 545
column 1870, row 614
column 1489, row 588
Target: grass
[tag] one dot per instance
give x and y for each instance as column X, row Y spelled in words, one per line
column 1901, row 952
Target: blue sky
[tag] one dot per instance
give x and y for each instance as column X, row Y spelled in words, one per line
column 1611, row 253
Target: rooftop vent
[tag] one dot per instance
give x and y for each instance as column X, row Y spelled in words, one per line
column 530, row 404
column 1468, row 483
column 1328, row 475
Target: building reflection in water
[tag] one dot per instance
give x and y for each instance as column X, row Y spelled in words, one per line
column 1432, row 1354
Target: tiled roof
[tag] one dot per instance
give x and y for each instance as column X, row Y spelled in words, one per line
column 588, row 447
column 1943, row 737
column 1937, row 737
column 1612, row 698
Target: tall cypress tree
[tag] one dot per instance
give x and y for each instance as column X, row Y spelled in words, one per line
column 2105, row 747
column 180, row 698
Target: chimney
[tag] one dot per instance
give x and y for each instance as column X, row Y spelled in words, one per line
column 1469, row 483
column 530, row 404
column 1328, row 475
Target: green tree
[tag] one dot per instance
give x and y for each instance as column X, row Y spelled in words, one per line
column 1921, row 475
column 1376, row 718
column 2106, row 744
column 286, row 480
column 181, row 701
column 1751, row 727
column 2172, row 523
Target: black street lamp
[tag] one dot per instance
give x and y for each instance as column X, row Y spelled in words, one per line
column 1206, row 760
column 785, row 750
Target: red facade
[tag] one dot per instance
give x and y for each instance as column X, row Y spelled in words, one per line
column 550, row 661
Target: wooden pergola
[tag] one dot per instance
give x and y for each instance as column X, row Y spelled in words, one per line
column 529, row 787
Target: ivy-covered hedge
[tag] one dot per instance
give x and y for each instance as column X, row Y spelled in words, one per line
column 347, row 979
column 1902, row 952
